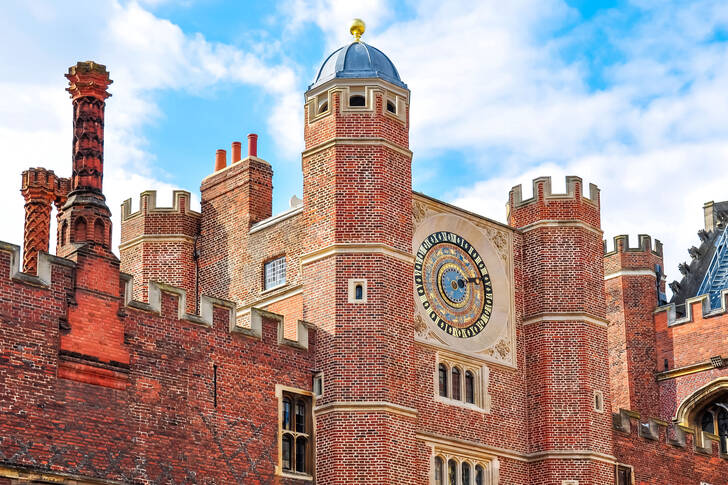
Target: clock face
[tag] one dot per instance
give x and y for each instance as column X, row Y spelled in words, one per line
column 453, row 284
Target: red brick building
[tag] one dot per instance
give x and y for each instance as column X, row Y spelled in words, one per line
column 370, row 334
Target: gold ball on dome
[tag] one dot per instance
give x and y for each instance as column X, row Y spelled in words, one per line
column 357, row 28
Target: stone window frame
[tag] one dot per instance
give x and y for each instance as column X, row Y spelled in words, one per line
column 598, row 401
column 488, row 467
column 481, row 379
column 318, row 377
column 353, row 283
column 623, row 466
column 282, row 392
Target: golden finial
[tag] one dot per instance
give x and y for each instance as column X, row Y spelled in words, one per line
column 357, row 28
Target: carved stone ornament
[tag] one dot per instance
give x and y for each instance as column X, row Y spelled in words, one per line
column 463, row 285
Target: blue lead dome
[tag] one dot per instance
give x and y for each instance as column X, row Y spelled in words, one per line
column 357, row 61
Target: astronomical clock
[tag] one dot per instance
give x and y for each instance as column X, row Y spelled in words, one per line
column 463, row 282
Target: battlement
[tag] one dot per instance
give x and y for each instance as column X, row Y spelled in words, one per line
column 547, row 208
column 669, row 433
column 148, row 205
column 621, row 245
column 156, row 290
column 542, row 192
column 258, row 318
column 45, row 263
column 692, row 314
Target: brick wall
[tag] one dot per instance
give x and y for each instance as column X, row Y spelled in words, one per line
column 564, row 331
column 357, row 192
column 659, row 455
column 162, row 427
column 158, row 244
column 631, row 292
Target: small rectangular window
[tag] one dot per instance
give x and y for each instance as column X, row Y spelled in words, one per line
column 624, row 475
column 318, row 384
column 275, row 273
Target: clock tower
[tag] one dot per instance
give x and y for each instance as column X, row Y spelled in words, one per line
column 357, row 267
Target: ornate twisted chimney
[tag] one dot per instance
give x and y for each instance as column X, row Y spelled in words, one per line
column 85, row 218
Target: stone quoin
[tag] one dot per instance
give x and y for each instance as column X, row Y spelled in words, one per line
column 369, row 334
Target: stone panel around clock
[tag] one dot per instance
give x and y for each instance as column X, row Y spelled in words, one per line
column 479, row 317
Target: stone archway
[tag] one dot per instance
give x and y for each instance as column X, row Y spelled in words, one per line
column 707, row 410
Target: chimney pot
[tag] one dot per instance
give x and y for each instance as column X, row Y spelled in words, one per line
column 252, row 145
column 236, row 151
column 220, row 160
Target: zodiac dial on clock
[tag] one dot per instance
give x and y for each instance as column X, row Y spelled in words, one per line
column 453, row 284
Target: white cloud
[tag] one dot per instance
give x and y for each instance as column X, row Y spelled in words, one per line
column 145, row 55
column 334, row 17
column 493, row 78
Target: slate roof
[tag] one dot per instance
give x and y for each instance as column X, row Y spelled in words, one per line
column 358, row 60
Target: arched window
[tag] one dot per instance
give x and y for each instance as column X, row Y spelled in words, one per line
column 64, row 232
column 286, row 448
column 324, row 107
column 479, row 475
column 442, row 378
column 286, row 413
column 357, row 100
column 714, row 419
column 390, row 107
column 438, row 470
column 465, row 474
column 301, row 454
column 79, row 230
column 456, row 383
column 300, row 416
column 469, row 387
column 99, row 231
column 452, row 473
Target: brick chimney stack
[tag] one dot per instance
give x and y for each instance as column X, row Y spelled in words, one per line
column 39, row 191
column 88, row 84
column 85, row 217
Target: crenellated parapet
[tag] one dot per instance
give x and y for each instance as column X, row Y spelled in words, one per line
column 644, row 245
column 634, row 285
column 658, row 430
column 262, row 323
column 148, row 205
column 544, row 205
column 160, row 243
column 696, row 310
column 55, row 271
column 643, row 260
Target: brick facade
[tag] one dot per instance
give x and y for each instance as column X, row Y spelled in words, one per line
column 170, row 363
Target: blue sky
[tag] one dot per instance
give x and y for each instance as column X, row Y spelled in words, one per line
column 630, row 95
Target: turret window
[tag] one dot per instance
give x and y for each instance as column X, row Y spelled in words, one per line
column 357, row 100
column 79, row 230
column 391, row 107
